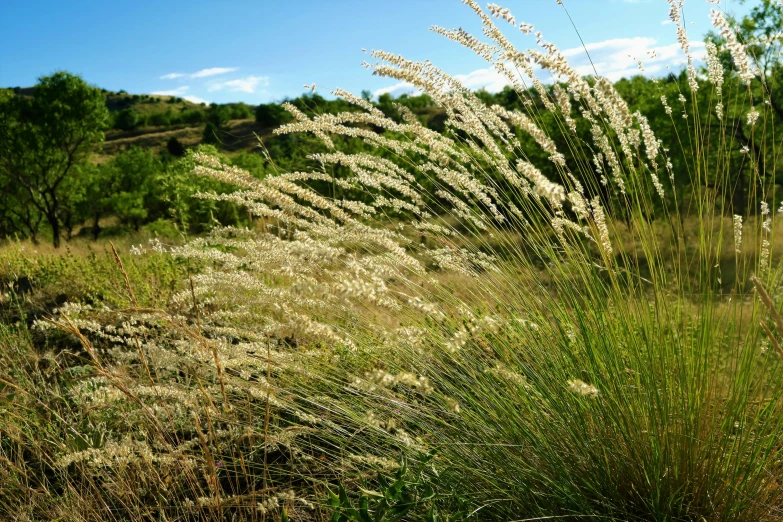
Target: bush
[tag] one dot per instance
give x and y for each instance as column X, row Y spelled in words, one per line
column 160, row 119
column 163, row 228
column 175, row 148
column 272, row 115
column 127, row 119
column 192, row 117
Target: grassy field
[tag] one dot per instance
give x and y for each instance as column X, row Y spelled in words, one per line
column 454, row 336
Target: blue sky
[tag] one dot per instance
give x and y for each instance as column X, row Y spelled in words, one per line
column 262, row 50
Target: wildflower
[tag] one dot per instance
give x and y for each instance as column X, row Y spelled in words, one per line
column 582, row 388
column 682, row 38
column 737, row 233
column 666, row 106
column 526, row 28
column 714, row 68
column 737, row 50
column 501, row 12
column 600, row 222
column 764, row 258
column 753, row 116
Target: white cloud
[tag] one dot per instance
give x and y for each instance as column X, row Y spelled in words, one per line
column 487, row 79
column 614, row 59
column 248, row 84
column 179, row 91
column 213, row 71
column 396, row 90
column 196, row 99
column 203, row 73
column 617, row 58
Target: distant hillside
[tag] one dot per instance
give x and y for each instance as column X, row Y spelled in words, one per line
column 148, row 103
column 153, row 121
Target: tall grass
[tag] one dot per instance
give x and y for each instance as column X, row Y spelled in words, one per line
column 575, row 348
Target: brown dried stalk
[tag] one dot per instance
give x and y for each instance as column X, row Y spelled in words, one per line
column 770, row 305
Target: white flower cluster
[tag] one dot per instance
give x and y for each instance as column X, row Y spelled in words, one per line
column 582, row 388
column 737, row 233
column 737, row 50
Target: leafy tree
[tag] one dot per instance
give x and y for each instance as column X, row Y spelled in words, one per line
column 175, row 147
column 216, row 117
column 211, row 134
column 160, row 119
column 173, row 198
column 240, row 111
column 272, row 115
column 126, row 119
column 192, row 117
column 43, row 140
column 120, row 187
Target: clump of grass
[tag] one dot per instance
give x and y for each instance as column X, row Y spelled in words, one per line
column 564, row 347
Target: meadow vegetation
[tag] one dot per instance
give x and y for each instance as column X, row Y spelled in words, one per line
column 560, row 301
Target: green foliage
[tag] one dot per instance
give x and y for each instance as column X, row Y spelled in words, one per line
column 160, row 119
column 272, row 115
column 408, row 494
column 175, row 148
column 173, row 197
column 43, row 140
column 120, row 187
column 127, row 119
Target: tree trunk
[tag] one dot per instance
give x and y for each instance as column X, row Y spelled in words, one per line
column 55, row 224
column 96, row 228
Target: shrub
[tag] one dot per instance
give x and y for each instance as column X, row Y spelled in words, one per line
column 159, row 119
column 175, row 148
column 126, row 119
column 271, row 115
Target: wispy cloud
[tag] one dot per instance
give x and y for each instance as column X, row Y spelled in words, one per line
column 179, row 91
column 196, row 99
column 614, row 59
column 203, row 73
column 213, row 71
column 617, row 58
column 248, row 84
column 396, row 90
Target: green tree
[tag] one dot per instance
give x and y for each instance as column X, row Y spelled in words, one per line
column 216, row 117
column 174, row 198
column 120, row 187
column 43, row 140
column 126, row 119
column 175, row 147
column 272, row 115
